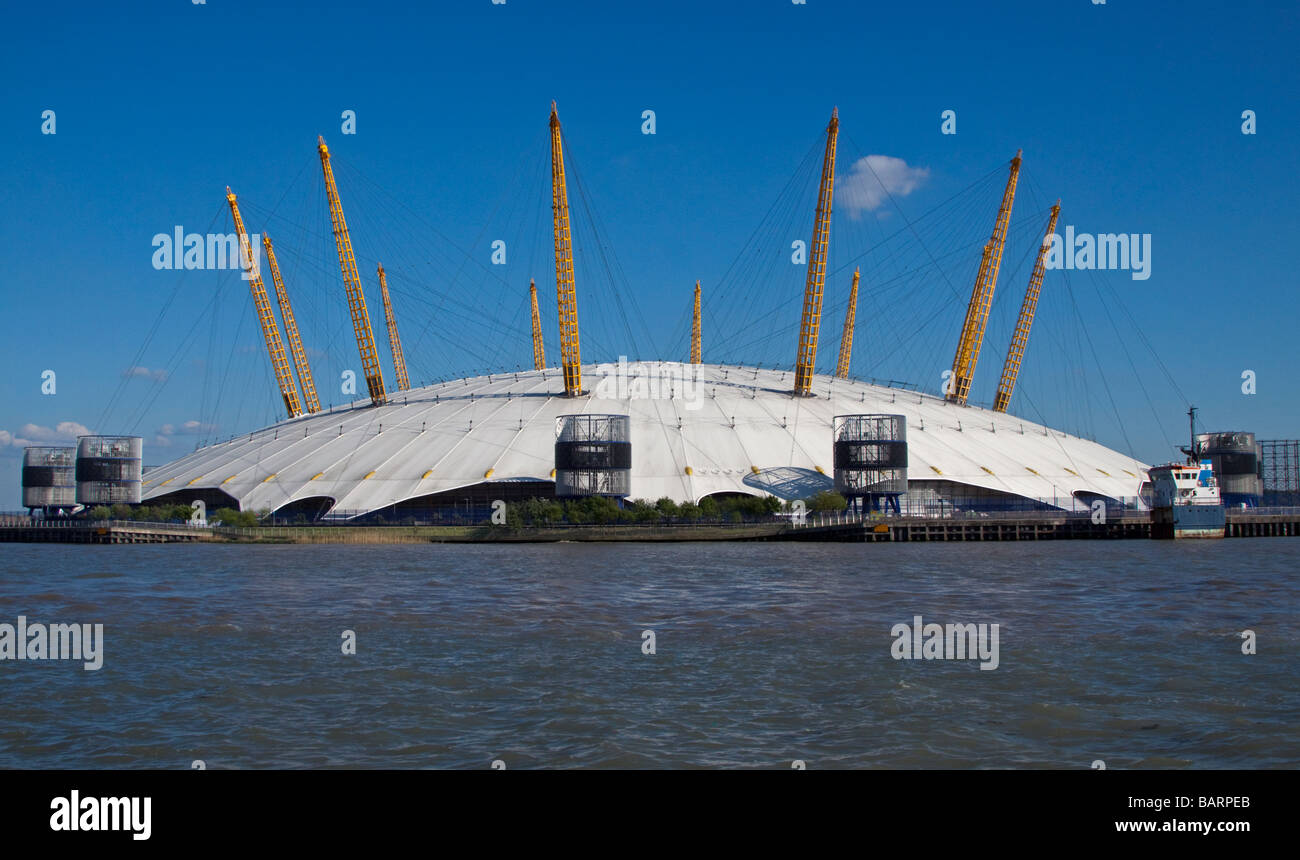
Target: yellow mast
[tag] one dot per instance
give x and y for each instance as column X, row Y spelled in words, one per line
column 570, row 353
column 1019, row 340
column 810, row 322
column 394, row 342
column 352, row 284
column 539, row 351
column 695, row 328
column 981, row 297
column 270, row 331
column 846, row 339
column 291, row 331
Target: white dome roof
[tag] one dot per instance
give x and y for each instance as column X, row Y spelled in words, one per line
column 707, row 437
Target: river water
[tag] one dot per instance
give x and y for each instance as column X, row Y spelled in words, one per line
column 1128, row 652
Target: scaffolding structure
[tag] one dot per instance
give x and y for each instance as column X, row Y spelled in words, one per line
column 1280, row 471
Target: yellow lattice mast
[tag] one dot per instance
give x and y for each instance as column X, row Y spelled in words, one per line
column 846, row 339
column 539, row 351
column 291, row 331
column 570, row 353
column 695, row 328
column 352, row 284
column 1019, row 340
column 810, row 322
column 270, row 331
column 394, row 342
column 981, row 298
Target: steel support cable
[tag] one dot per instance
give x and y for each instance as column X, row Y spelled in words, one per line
column 607, row 255
column 757, row 271
column 1145, row 342
column 682, row 327
column 466, row 258
column 508, row 341
column 1080, row 401
column 398, row 267
column 721, row 294
column 899, row 208
column 338, row 330
column 751, row 283
column 1132, row 365
column 374, row 241
column 904, row 216
column 1001, row 306
column 149, row 336
column 941, row 304
column 1097, row 367
column 730, row 339
column 168, row 368
column 369, row 228
column 223, row 372
column 726, row 339
column 465, row 255
column 299, row 261
column 933, row 211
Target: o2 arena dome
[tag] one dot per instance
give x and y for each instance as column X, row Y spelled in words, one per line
column 644, row 429
column 708, row 429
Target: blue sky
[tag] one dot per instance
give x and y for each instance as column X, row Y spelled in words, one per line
column 1130, row 112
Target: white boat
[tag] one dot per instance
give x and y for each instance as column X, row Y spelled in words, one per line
column 1185, row 496
column 1186, row 501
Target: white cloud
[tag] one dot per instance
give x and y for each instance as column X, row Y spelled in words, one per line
column 162, row 437
column 145, row 373
column 872, row 180
column 63, row 433
column 186, row 428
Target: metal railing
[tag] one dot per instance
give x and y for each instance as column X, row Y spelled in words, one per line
column 809, row 520
column 25, row 521
column 834, row 518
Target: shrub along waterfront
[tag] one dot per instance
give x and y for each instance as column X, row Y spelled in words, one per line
column 589, row 510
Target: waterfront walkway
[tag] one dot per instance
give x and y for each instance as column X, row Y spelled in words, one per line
column 840, row 527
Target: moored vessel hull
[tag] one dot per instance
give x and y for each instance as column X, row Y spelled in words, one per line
column 1188, row 521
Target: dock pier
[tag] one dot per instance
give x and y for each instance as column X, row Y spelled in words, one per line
column 840, row 527
column 999, row 526
column 15, row 529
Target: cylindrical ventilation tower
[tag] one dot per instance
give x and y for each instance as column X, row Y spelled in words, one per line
column 1235, row 456
column 593, row 455
column 49, row 478
column 109, row 469
column 871, row 458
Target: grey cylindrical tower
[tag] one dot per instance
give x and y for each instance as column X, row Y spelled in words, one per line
column 593, row 455
column 1235, row 455
column 49, row 477
column 109, row 469
column 871, row 458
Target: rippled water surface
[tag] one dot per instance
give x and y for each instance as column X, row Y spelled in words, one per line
column 1127, row 651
